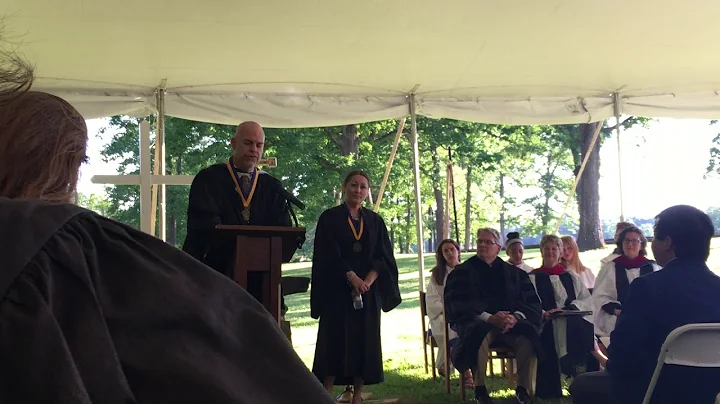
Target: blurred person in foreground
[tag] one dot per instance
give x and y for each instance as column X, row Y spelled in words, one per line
column 684, row 292
column 94, row 311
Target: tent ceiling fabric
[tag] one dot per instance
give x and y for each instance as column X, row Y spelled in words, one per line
column 315, row 63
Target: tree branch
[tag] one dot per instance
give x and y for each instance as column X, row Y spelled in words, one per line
column 326, row 164
column 385, row 136
column 610, row 129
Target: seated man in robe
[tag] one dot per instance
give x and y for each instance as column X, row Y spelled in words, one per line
column 488, row 301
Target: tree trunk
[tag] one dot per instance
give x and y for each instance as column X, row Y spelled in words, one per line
column 468, row 205
column 548, row 192
column 502, row 206
column 590, row 234
column 338, row 196
column 392, row 236
column 409, row 222
column 172, row 220
column 439, row 199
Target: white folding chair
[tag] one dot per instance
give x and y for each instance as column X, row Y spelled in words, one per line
column 695, row 345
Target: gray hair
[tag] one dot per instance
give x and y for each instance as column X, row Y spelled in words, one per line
column 492, row 231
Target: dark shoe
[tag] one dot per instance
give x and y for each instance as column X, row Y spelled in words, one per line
column 522, row 396
column 483, row 400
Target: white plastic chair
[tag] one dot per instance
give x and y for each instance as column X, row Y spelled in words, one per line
column 695, row 345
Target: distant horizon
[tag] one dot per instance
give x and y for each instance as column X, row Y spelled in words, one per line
column 665, row 170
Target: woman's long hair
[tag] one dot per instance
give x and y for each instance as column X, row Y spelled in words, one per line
column 440, row 269
column 42, row 145
column 575, row 262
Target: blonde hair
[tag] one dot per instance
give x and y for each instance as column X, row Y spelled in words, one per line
column 575, row 262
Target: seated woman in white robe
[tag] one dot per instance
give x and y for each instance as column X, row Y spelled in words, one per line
column 571, row 261
column 514, row 248
column 447, row 257
column 568, row 339
column 615, row 277
column 619, row 227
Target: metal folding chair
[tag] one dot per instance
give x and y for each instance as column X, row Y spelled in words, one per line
column 694, row 345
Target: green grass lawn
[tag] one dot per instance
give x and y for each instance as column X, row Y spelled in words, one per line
column 405, row 376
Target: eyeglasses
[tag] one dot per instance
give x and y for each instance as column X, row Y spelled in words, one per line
column 632, row 241
column 487, row 242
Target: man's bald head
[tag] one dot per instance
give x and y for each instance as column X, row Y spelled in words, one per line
column 248, row 145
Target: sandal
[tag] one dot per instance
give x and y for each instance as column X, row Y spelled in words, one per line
column 441, row 371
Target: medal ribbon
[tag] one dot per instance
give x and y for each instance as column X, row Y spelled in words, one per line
column 357, row 234
column 253, row 180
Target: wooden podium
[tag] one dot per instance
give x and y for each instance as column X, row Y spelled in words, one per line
column 261, row 249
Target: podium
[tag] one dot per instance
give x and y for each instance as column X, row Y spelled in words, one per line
column 261, row 249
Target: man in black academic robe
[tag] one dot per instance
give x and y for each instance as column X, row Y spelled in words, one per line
column 234, row 193
column 93, row 311
column 487, row 301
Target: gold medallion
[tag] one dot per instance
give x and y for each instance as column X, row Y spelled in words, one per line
column 357, row 247
column 245, row 201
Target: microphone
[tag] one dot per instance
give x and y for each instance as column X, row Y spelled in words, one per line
column 291, row 198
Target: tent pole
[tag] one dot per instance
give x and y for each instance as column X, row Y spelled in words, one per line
column 418, row 202
column 160, row 142
column 401, row 127
column 446, row 218
column 618, row 130
column 145, row 177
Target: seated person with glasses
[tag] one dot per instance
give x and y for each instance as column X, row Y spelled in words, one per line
column 612, row 283
column 487, row 301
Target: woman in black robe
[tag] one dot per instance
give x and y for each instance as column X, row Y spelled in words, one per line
column 568, row 341
column 353, row 262
column 93, row 311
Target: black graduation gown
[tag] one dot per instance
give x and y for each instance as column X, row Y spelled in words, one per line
column 475, row 287
column 348, row 342
column 213, row 200
column 94, row 311
column 580, row 339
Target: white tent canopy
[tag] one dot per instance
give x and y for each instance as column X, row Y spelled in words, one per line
column 289, row 63
column 294, row 63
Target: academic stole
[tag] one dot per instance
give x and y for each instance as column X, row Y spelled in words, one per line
column 245, row 201
column 357, row 233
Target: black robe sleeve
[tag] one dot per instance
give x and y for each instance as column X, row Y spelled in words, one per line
column 328, row 277
column 528, row 301
column 204, row 213
column 463, row 301
column 384, row 262
column 101, row 313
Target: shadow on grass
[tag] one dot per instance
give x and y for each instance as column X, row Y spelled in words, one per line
column 411, row 385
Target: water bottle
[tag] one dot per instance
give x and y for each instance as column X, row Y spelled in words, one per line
column 357, row 302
